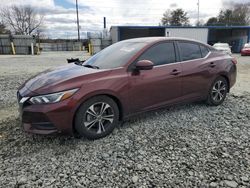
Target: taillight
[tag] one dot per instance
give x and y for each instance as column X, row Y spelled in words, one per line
column 234, row 61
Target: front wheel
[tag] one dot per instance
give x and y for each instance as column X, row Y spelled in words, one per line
column 97, row 117
column 218, row 91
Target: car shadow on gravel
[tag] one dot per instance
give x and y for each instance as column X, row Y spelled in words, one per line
column 232, row 101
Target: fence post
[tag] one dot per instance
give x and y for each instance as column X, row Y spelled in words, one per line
column 32, row 49
column 90, row 49
column 13, row 48
column 38, row 49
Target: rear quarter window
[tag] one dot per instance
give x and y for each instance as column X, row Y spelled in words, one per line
column 189, row 51
column 204, row 51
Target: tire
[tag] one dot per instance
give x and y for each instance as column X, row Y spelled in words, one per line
column 218, row 91
column 97, row 117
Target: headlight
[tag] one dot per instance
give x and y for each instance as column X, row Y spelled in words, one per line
column 52, row 98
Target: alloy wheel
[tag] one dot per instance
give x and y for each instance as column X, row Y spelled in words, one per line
column 98, row 117
column 219, row 91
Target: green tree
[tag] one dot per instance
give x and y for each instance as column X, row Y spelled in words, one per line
column 212, row 21
column 225, row 17
column 176, row 17
column 166, row 18
column 179, row 18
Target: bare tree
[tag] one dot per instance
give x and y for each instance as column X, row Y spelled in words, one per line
column 22, row 20
column 232, row 14
column 3, row 29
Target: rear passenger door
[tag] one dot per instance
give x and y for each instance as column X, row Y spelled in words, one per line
column 196, row 71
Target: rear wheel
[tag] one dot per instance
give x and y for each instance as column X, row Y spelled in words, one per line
column 97, row 117
column 218, row 91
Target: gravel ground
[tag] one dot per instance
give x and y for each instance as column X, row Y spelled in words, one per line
column 14, row 70
column 191, row 145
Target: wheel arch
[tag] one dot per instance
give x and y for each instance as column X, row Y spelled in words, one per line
column 227, row 79
column 115, row 98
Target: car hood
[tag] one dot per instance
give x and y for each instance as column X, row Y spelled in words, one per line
column 60, row 78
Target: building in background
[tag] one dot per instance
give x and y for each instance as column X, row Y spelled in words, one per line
column 236, row 36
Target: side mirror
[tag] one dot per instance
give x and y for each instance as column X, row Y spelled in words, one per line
column 144, row 65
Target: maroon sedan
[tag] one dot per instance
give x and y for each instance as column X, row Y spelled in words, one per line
column 128, row 77
column 245, row 50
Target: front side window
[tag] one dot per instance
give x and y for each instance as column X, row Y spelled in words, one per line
column 189, row 51
column 160, row 54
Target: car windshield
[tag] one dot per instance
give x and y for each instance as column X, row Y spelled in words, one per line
column 223, row 45
column 116, row 55
column 247, row 46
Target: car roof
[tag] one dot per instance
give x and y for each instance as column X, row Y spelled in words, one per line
column 152, row 40
column 157, row 39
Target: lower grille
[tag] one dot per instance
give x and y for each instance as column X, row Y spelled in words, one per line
column 43, row 126
column 34, row 117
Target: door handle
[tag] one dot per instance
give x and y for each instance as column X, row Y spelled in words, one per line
column 175, row 72
column 212, row 65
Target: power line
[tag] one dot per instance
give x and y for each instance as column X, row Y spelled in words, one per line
column 138, row 8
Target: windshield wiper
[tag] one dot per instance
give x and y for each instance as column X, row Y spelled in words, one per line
column 78, row 62
column 91, row 66
column 75, row 61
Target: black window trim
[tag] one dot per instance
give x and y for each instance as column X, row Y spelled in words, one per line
column 204, row 47
column 177, row 58
column 193, row 42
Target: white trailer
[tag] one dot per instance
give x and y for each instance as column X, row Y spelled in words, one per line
column 200, row 34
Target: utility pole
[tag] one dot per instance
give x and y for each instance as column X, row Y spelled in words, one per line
column 78, row 28
column 198, row 4
column 104, row 22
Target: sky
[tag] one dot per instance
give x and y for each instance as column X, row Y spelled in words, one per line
column 59, row 16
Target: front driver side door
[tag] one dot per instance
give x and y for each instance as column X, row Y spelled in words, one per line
column 157, row 87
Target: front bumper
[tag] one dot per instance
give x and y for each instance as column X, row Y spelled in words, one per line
column 46, row 118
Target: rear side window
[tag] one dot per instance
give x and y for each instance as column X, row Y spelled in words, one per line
column 204, row 51
column 189, row 51
column 160, row 54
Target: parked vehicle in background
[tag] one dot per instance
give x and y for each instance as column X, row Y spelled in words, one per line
column 129, row 77
column 224, row 47
column 245, row 50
